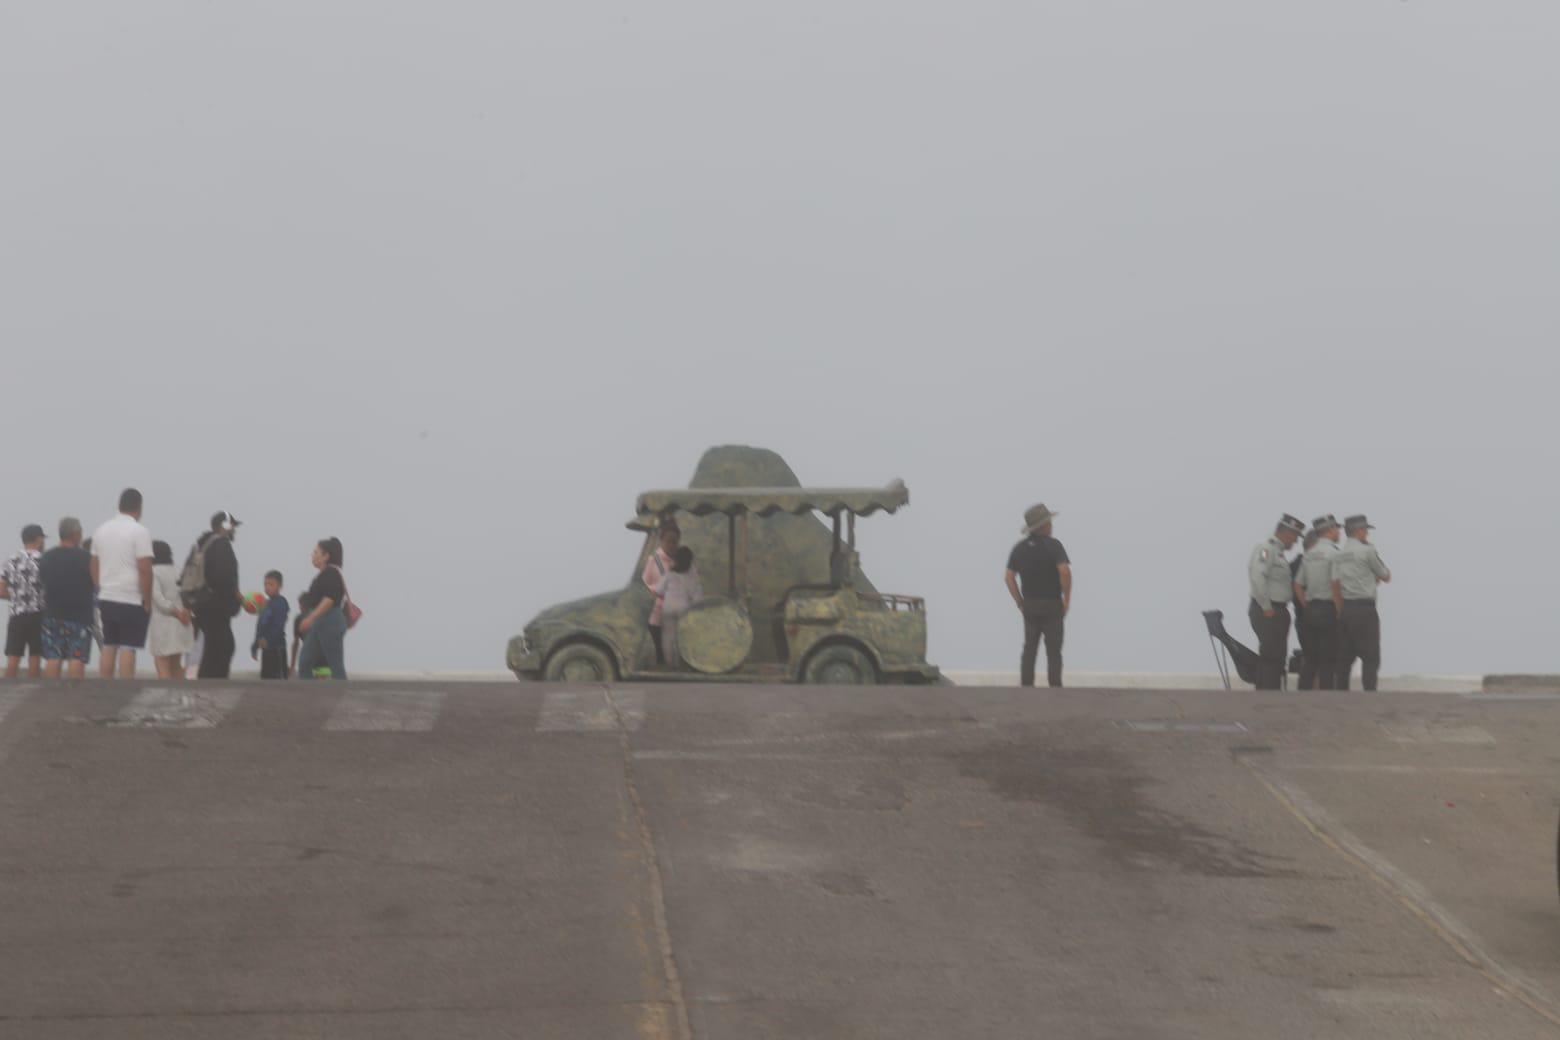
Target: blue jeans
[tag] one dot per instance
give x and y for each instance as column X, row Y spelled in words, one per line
column 323, row 645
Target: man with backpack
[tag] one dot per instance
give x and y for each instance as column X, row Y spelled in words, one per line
column 210, row 589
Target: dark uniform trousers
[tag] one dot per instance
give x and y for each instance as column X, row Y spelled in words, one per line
column 1319, row 624
column 1042, row 617
column 1359, row 635
column 1272, row 643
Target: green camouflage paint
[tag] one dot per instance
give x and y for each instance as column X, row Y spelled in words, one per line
column 793, row 610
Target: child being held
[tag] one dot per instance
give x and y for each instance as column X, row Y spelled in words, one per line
column 270, row 643
column 679, row 590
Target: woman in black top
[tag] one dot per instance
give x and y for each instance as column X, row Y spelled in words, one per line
column 324, row 627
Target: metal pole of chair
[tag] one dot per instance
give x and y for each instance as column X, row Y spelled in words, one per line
column 1219, row 661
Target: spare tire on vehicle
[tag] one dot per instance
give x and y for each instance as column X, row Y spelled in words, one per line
column 715, row 636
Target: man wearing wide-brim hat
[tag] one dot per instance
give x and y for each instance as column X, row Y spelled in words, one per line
column 1272, row 588
column 1039, row 578
column 1358, row 570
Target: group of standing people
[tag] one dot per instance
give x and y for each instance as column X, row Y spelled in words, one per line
column 1333, row 585
column 122, row 590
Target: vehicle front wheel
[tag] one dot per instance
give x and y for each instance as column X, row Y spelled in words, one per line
column 579, row 663
column 840, row 665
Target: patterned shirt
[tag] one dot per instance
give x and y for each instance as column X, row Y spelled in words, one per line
column 20, row 574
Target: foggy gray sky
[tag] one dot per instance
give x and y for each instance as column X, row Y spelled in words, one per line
column 455, row 281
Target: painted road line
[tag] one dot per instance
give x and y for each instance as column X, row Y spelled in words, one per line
column 590, row 711
column 672, row 755
column 12, row 699
column 1167, row 726
column 1392, row 769
column 1435, row 733
column 1512, row 696
column 387, row 711
column 169, row 707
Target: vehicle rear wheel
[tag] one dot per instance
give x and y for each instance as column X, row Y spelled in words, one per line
column 579, row 663
column 840, row 665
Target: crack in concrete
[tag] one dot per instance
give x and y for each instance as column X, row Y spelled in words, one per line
column 653, row 1030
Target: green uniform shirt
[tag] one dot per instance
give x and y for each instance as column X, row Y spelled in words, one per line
column 1316, row 566
column 1358, row 567
column 1269, row 572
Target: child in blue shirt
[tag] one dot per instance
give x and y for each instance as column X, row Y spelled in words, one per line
column 270, row 643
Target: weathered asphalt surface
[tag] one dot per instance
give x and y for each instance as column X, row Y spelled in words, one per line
column 372, row 860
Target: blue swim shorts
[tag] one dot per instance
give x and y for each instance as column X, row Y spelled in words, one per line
column 66, row 640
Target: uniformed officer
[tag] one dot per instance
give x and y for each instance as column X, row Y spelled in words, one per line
column 1357, row 570
column 1272, row 588
column 1313, row 597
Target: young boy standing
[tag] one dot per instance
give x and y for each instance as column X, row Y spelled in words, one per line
column 270, row 643
column 19, row 584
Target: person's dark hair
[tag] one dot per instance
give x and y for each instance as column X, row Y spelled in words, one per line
column 683, row 560
column 331, row 547
column 129, row 501
column 277, row 575
column 162, row 552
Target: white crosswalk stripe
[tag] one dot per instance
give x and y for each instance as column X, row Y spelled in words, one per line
column 387, row 711
column 170, row 707
column 589, row 711
column 11, row 699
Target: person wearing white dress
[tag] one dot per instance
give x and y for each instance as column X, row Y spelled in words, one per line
column 679, row 591
column 170, row 635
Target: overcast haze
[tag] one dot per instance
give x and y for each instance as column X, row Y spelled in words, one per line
column 455, row 281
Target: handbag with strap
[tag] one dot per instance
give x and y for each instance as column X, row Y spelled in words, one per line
column 349, row 608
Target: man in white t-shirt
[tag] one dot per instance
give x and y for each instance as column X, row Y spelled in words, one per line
column 122, row 574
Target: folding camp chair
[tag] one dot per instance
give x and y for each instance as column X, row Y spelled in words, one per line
column 1227, row 650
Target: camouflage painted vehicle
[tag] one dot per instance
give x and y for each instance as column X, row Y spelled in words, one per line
column 787, row 601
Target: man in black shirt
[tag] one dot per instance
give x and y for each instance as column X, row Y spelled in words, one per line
column 65, row 573
column 214, row 616
column 1039, row 578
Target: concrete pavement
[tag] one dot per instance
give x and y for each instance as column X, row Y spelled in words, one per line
column 471, row 860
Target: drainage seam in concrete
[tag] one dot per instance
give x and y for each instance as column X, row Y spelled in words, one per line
column 663, row 933
column 1407, row 893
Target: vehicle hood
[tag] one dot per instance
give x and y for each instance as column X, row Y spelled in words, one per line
column 576, row 610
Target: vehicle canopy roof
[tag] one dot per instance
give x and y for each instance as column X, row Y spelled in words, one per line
column 796, row 501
